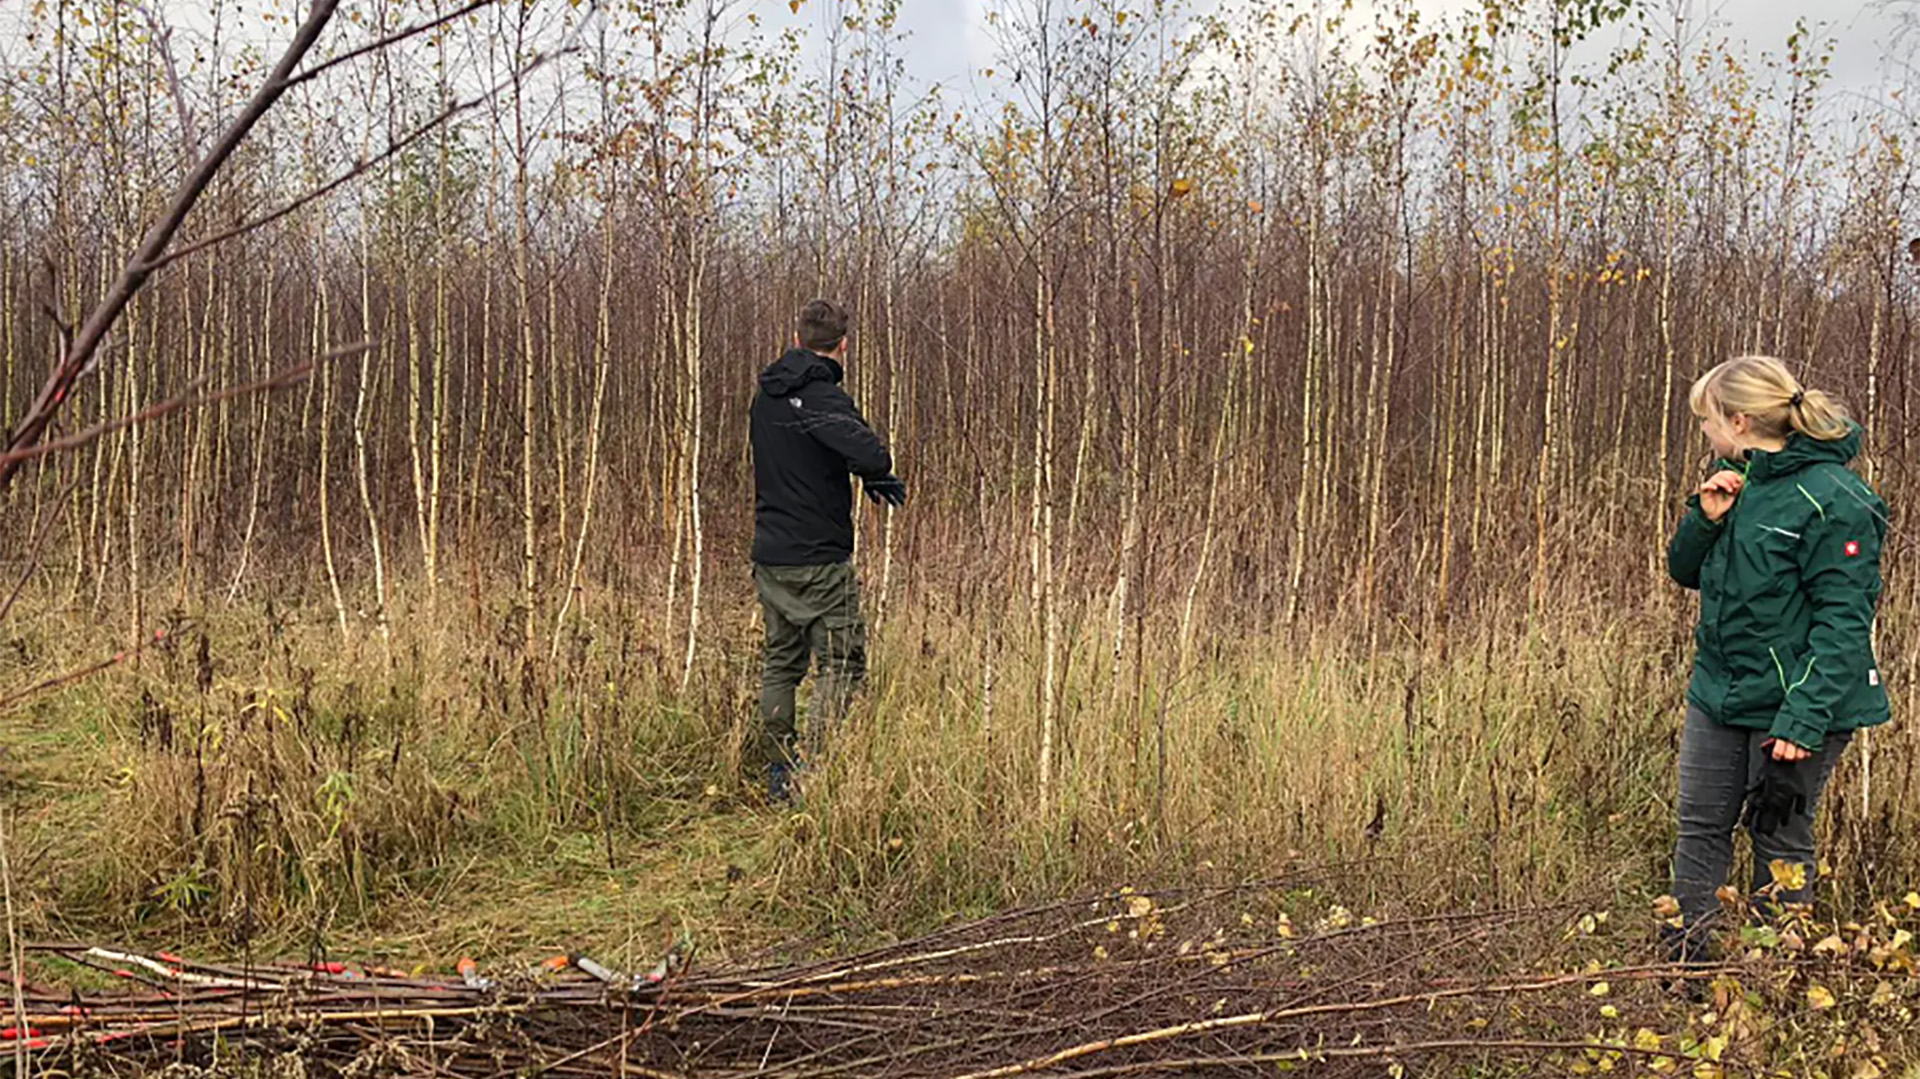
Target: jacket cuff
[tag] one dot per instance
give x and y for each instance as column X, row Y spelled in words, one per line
column 1798, row 728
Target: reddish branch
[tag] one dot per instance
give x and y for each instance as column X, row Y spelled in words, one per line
column 93, row 332
column 159, row 409
column 9, row 702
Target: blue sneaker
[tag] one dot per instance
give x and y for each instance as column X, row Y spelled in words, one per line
column 780, row 783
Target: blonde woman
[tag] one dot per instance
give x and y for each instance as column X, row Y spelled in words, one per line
column 1783, row 544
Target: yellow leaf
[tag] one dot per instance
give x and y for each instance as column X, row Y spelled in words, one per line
column 1791, row 876
column 1646, row 1040
column 1139, row 906
column 1820, row 998
column 1600, row 989
column 1182, row 187
column 1715, row 1047
column 1608, row 1011
column 1833, row 945
column 1912, row 901
column 1100, row 951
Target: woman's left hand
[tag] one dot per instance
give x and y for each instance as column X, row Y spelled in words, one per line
column 1787, row 752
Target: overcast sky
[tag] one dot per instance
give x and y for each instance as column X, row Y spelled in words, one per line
column 949, row 42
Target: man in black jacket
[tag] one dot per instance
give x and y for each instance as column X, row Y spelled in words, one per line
column 807, row 437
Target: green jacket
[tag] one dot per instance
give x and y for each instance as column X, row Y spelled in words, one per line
column 1788, row 580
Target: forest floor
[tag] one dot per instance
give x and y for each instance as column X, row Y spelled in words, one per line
column 247, row 785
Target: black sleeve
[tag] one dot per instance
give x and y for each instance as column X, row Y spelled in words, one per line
column 838, row 425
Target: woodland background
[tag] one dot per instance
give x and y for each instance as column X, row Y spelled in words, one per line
column 1292, row 398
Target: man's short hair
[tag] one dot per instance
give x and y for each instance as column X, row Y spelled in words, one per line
column 822, row 325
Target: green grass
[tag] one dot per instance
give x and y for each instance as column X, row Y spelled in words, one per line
column 440, row 794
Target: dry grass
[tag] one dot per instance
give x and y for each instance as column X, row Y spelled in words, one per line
column 440, row 794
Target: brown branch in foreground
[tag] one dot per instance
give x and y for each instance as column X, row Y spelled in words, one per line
column 359, row 169
column 159, row 409
column 1272, row 1015
column 8, row 703
column 389, row 41
column 1366, row 1052
column 133, row 276
column 1085, row 1000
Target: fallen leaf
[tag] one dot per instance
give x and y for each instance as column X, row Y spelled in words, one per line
column 1791, row 876
column 1820, row 998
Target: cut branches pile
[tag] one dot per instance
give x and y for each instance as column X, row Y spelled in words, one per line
column 1214, row 980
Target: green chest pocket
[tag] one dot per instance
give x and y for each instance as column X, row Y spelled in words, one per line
column 1764, row 558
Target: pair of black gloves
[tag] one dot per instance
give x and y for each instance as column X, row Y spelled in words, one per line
column 1780, row 794
column 890, row 489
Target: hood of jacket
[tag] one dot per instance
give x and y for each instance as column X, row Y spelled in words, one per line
column 797, row 367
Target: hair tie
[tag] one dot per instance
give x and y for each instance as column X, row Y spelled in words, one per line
column 1799, row 398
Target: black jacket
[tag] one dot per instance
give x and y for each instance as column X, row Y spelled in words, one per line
column 807, row 436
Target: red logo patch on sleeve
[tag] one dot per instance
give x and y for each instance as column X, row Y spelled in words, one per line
column 1853, row 548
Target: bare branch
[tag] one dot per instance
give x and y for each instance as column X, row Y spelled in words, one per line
column 34, row 548
column 391, row 39
column 359, row 169
column 285, row 377
column 79, row 355
column 14, row 700
column 163, row 41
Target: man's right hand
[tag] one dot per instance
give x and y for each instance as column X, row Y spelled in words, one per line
column 1719, row 492
column 891, row 490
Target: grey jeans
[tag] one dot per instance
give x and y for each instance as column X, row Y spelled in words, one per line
column 1718, row 765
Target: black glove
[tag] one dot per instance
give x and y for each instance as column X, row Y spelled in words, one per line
column 1778, row 797
column 892, row 490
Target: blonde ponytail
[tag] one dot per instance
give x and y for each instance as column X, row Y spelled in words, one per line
column 1774, row 402
column 1819, row 416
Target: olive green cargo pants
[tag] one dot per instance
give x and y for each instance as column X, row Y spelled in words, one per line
column 812, row 615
